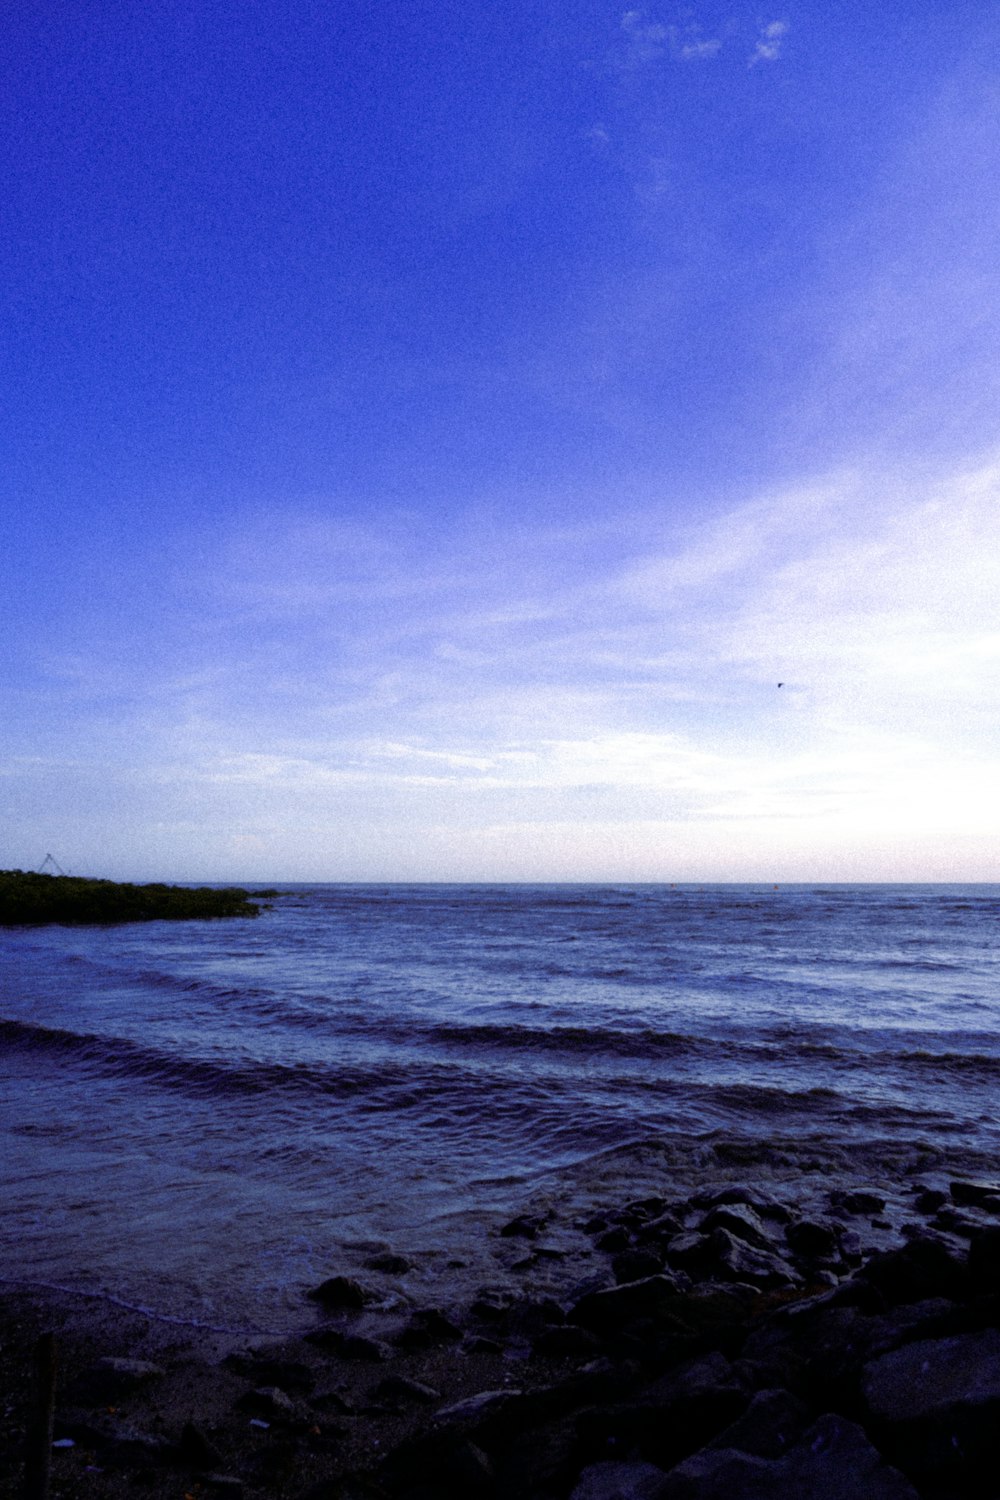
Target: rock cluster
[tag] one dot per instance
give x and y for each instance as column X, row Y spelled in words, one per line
column 755, row 1354
column 725, row 1348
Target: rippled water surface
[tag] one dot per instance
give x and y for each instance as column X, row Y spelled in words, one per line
column 208, row 1116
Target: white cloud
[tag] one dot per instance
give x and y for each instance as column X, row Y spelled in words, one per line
column 698, row 49
column 647, row 41
column 627, row 714
column 769, row 42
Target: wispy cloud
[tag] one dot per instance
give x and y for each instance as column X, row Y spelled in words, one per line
column 631, row 728
column 697, row 49
column 769, row 42
column 646, row 41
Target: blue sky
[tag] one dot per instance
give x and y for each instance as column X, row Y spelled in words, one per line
column 432, row 432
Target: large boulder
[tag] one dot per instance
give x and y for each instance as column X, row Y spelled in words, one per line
column 740, row 1220
column 922, row 1268
column 771, row 1425
column 977, row 1194
column 619, row 1481
column 834, row 1461
column 984, row 1260
column 720, row 1256
column 340, row 1294
column 673, row 1415
column 937, row 1403
column 617, row 1306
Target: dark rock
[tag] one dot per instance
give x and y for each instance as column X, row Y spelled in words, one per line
column 334, row 1401
column 469, row 1471
column 268, row 1401
column 525, row 1226
column 595, row 1224
column 400, row 1388
column 389, row 1264
column 924, row 1267
column 672, row 1416
column 629, row 1217
column 976, row 1194
column 636, row 1264
column 951, row 1221
column 811, row 1239
column 493, row 1419
column 720, row 1256
column 929, row 1200
column 427, row 1328
column 739, row 1220
column 196, row 1450
column 525, row 1316
column 290, row 1374
column 222, row 1484
column 351, row 1346
column 834, row 1461
column 937, row 1404
column 736, row 1193
column 570, row 1341
column 538, row 1461
column 535, row 1313
column 647, row 1208
column 477, row 1406
column 715, row 1315
column 691, row 1251
column 761, row 1203
column 340, row 1292
column 492, row 1306
column 618, row 1238
column 984, row 1260
column 820, row 1347
column 859, row 1202
column 479, row 1345
column 619, row 1481
column 619, row 1305
column 914, row 1383
column 851, row 1252
column 773, row 1422
column 597, row 1381
column 664, row 1227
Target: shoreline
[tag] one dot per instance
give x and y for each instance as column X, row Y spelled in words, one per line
column 730, row 1305
column 456, row 1246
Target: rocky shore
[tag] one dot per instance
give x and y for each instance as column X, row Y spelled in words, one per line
column 724, row 1345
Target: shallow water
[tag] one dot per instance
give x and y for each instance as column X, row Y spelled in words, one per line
column 206, row 1118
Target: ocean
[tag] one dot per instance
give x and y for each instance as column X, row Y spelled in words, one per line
column 204, row 1119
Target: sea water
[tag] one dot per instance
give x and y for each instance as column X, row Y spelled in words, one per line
column 205, row 1118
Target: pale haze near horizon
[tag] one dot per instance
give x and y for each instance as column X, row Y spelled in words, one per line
column 435, row 435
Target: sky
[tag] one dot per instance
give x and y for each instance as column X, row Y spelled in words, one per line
column 477, row 442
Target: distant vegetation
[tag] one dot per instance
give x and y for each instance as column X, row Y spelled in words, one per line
column 27, row 899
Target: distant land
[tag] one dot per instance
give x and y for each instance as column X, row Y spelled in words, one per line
column 30, row 900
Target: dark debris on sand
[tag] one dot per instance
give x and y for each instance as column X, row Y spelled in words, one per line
column 725, row 1348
